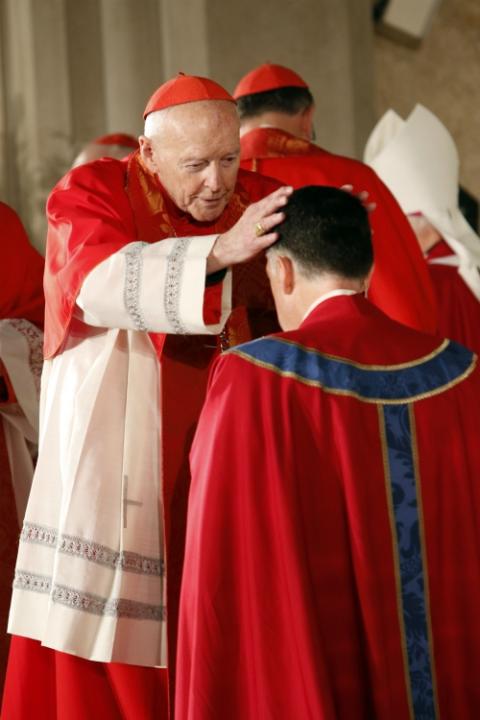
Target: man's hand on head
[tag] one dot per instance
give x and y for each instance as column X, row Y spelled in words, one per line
column 251, row 234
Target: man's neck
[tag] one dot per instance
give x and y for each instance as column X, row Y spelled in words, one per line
column 326, row 296
column 280, row 121
column 310, row 294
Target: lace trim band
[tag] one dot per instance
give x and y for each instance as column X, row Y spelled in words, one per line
column 94, row 552
column 175, row 263
column 31, row 581
column 115, row 607
column 133, row 280
column 87, row 602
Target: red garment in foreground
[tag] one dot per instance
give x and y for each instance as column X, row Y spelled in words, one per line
column 458, row 308
column 400, row 285
column 332, row 568
column 48, row 685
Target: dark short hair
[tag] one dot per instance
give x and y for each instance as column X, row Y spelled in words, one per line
column 289, row 100
column 327, row 230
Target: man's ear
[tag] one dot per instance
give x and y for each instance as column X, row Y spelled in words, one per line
column 286, row 272
column 306, row 122
column 146, row 153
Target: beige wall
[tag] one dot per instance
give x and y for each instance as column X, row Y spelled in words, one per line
column 444, row 75
column 329, row 43
column 71, row 70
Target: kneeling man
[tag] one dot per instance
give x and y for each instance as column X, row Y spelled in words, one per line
column 332, row 567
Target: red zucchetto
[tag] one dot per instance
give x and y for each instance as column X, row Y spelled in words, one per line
column 184, row 89
column 267, row 77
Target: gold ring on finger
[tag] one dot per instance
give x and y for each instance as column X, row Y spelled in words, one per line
column 259, row 229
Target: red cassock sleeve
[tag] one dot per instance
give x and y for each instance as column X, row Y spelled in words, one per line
column 244, row 580
column 89, row 218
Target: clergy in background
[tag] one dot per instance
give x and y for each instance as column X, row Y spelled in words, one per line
column 116, row 145
column 22, row 309
column 418, row 160
column 332, row 567
column 140, row 298
column 277, row 114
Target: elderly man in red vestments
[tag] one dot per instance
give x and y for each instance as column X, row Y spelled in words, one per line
column 276, row 112
column 139, row 300
column 331, row 565
column 21, row 321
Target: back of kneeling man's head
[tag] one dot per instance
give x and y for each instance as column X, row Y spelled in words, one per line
column 324, row 245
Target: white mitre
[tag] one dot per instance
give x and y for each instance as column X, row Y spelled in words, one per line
column 418, row 161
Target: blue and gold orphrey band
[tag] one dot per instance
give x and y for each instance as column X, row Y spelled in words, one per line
column 446, row 366
column 403, row 489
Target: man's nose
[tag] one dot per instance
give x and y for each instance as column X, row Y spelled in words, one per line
column 213, row 177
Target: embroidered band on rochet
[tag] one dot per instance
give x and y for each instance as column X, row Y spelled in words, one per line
column 115, row 607
column 94, row 552
column 133, row 282
column 88, row 602
column 31, row 581
column 175, row 264
column 436, row 373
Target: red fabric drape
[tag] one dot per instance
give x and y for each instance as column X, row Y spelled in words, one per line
column 21, row 271
column 49, row 685
column 401, row 284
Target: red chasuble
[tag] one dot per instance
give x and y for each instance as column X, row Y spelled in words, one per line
column 93, row 212
column 458, row 308
column 400, row 286
column 332, row 567
column 21, row 296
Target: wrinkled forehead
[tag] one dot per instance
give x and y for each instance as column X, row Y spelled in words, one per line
column 205, row 129
column 191, row 117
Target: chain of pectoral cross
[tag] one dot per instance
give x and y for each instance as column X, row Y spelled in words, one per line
column 127, row 501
